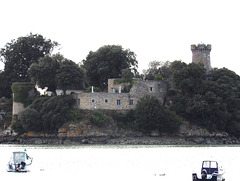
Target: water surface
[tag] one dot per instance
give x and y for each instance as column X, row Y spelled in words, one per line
column 111, row 162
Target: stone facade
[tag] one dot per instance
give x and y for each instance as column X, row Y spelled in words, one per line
column 17, row 107
column 116, row 100
column 201, row 54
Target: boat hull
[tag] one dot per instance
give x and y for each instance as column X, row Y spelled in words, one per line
column 215, row 177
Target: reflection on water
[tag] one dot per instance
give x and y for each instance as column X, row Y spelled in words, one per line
column 111, row 162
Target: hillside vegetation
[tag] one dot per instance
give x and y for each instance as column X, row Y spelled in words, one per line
column 207, row 99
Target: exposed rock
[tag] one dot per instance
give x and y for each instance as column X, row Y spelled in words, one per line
column 199, row 140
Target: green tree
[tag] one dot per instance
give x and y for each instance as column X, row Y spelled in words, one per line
column 108, row 62
column 4, row 85
column 211, row 101
column 45, row 114
column 44, row 71
column 30, row 120
column 68, row 74
column 157, row 69
column 151, row 115
column 189, row 78
column 99, row 118
column 19, row 54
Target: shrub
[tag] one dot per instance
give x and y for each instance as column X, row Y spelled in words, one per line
column 30, row 120
column 98, row 118
column 151, row 115
column 45, row 114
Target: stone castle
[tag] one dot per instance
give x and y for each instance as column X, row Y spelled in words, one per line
column 201, row 54
column 116, row 99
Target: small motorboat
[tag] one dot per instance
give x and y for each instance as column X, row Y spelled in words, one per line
column 19, row 162
column 210, row 172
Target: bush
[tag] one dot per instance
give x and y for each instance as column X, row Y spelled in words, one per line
column 151, row 115
column 124, row 120
column 30, row 120
column 21, row 91
column 95, row 89
column 158, row 77
column 98, row 118
column 45, row 114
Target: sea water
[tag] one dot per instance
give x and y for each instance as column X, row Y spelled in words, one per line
column 119, row 162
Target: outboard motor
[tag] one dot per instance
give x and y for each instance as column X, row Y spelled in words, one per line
column 23, row 165
column 204, row 174
column 17, row 167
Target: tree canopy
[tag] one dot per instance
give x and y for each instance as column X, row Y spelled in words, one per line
column 151, row 115
column 45, row 114
column 108, row 62
column 44, row 71
column 210, row 101
column 19, row 54
column 55, row 70
column 69, row 74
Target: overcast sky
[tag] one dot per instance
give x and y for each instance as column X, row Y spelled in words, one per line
column 154, row 29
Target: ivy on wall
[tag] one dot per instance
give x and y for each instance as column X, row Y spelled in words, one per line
column 21, row 91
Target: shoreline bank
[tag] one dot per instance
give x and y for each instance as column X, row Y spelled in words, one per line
column 129, row 140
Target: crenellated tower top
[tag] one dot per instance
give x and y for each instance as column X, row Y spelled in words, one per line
column 201, row 54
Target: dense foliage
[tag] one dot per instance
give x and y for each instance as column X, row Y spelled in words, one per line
column 18, row 55
column 6, row 106
column 209, row 100
column 45, row 114
column 151, row 115
column 44, row 71
column 99, row 118
column 69, row 74
column 56, row 71
column 21, row 91
column 108, row 62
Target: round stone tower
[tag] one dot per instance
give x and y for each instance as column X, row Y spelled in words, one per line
column 201, row 54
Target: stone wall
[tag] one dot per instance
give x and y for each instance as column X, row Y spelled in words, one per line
column 121, row 101
column 17, row 107
column 155, row 88
column 110, row 101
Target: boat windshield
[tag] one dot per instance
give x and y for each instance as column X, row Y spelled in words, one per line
column 210, row 166
column 18, row 157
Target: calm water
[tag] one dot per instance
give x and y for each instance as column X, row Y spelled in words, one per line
column 119, row 162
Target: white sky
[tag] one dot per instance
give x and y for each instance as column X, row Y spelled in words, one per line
column 154, row 29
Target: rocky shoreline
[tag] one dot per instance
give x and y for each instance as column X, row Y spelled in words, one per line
column 109, row 140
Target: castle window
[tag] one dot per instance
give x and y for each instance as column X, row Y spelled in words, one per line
column 78, row 102
column 113, row 90
column 150, row 89
column 93, row 100
column 131, row 102
column 106, row 101
column 118, row 102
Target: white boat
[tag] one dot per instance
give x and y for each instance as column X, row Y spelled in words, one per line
column 19, row 162
column 210, row 172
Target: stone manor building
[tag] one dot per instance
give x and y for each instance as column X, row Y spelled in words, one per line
column 115, row 99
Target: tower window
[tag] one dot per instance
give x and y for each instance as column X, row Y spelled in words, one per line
column 113, row 90
column 131, row 102
column 150, row 89
column 93, row 100
column 118, row 102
